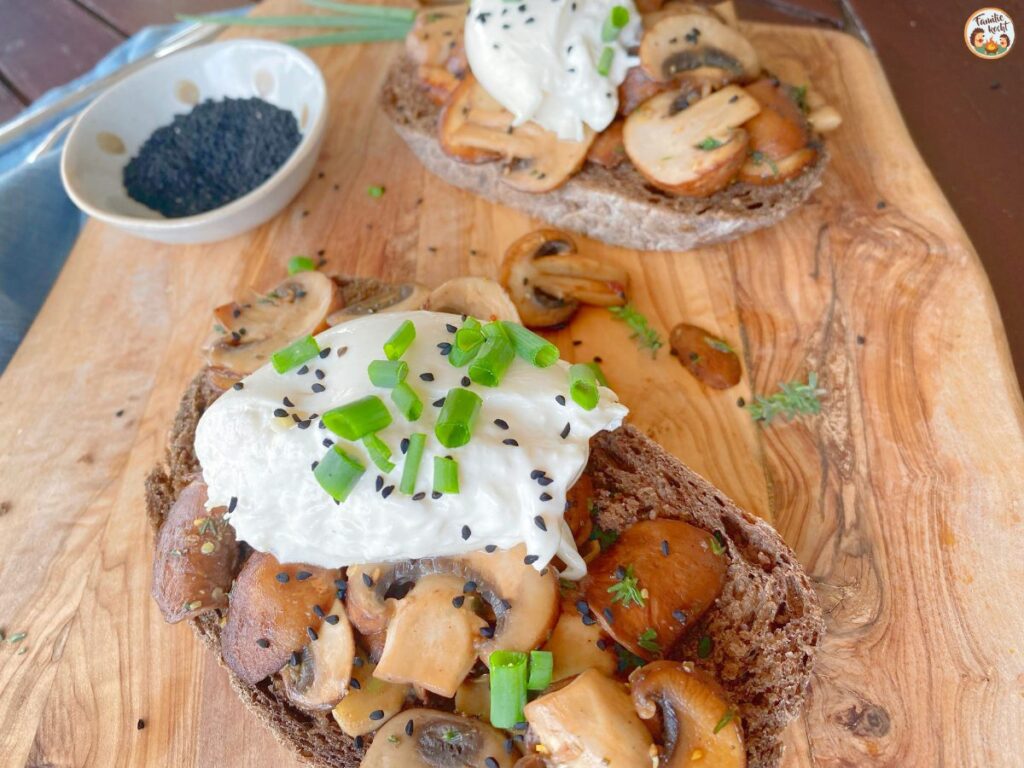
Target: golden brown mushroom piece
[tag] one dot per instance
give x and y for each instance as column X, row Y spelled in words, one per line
column 607, row 149
column 247, row 334
column 475, row 296
column 397, row 297
column 693, row 716
column 698, row 48
column 576, row 647
column 428, row 738
column 196, row 557
column 318, row 677
column 690, row 149
column 475, row 128
column 435, row 43
column 590, row 722
column 654, row 583
column 548, row 279
column 638, row 87
column 367, row 695
column 779, row 136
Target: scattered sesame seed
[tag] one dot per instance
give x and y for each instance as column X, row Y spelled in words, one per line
column 357, row 661
column 304, row 424
column 377, row 714
column 141, row 724
column 531, row 559
column 427, row 376
column 583, row 607
column 545, row 496
column 458, row 601
column 319, row 374
column 355, row 684
column 679, row 616
column 282, row 577
column 450, row 328
column 279, row 412
column 263, row 642
column 236, row 385
column 438, row 403
column 510, row 441
column 466, row 533
column 367, row 580
column 327, row 442
column 294, row 660
column 232, row 504
column 318, row 387
column 501, row 424
column 510, row 745
column 490, row 548
column 560, row 399
column 342, row 351
column 544, row 481
column 387, row 491
column 664, row 547
column 288, row 403
column 318, row 611
column 589, row 620
column 379, row 483
column 539, row 522
column 609, row 617
column 435, row 495
column 332, row 619
column 312, row 634
column 302, row 575
column 404, row 445
column 445, row 347
column 419, row 496
column 303, row 370
column 565, row 430
column 466, row 381
column 408, row 728
column 358, row 741
column 324, row 353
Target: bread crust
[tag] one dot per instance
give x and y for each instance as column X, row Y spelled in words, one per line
column 613, row 205
column 766, row 627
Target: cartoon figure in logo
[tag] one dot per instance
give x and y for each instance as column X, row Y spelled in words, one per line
column 1004, row 44
column 978, row 41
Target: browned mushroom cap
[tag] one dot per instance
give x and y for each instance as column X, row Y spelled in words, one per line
column 692, row 714
column 590, row 721
column 779, row 135
column 475, row 296
column 273, row 613
column 654, row 583
column 607, row 149
column 394, row 297
column 428, row 738
column 196, row 557
column 689, row 149
column 548, row 279
column 367, row 695
column 638, row 87
column 319, row 677
column 698, row 48
column 247, row 334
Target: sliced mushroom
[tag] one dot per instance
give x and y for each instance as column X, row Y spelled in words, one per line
column 475, row 128
column 474, row 697
column 694, row 150
column 590, row 722
column 779, row 136
column 318, row 677
column 694, row 716
column 647, row 599
column 369, row 703
column 395, row 297
column 434, row 35
column 273, row 613
column 637, row 88
column 475, row 296
column 710, row 359
column 247, row 334
column 698, row 48
column 607, row 150
column 576, row 647
column 824, row 119
column 196, row 557
column 431, row 640
column 548, row 279
column 428, row 738
column 724, row 12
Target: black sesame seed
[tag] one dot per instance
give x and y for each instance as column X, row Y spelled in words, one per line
column 295, row 418
column 318, row 387
column 303, row 370
column 320, row 374
column 620, row 573
column 545, row 496
column 324, row 353
column 435, row 495
column 314, row 465
column 419, row 496
column 601, row 644
column 583, row 607
column 295, row 659
column 539, row 522
column 282, row 577
column 263, row 642
column 377, row 714
column 332, row 619
column 357, row 661
column 664, row 547
column 679, row 616
column 318, row 611
column 560, row 399
column 288, row 403
column 450, row 328
column 544, row 481
column 358, row 742
column 490, row 762
column 302, row 575
column 354, row 684
column 279, row 412
column 501, row 423
column 367, row 580
column 565, row 430
column 304, row 424
column 438, row 403
column 490, row 548
column 232, row 504
column 510, row 441
column 312, row 634
column 465, row 381
column 445, row 347
column 609, row 617
column 536, row 474
column 387, row 491
column 379, row 483
column 427, row 376
column 469, row 586
column 487, row 632
column 408, row 728
column 404, row 445
column 236, row 385
column 510, row 745
column 589, row 620
column 531, row 559
column 466, row 533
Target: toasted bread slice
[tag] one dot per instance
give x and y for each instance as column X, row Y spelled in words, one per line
column 765, row 628
column 613, row 205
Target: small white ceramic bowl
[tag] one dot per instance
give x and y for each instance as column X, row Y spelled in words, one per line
column 113, row 128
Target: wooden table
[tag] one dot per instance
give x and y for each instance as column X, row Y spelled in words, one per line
column 904, row 499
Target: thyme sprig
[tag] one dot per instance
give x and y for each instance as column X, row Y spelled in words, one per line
column 648, row 640
column 627, row 589
column 646, row 337
column 793, row 399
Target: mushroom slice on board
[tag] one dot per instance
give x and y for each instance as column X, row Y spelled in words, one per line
column 638, row 87
column 318, row 677
column 429, row 738
column 591, row 722
column 247, row 334
column 196, row 557
column 687, row 149
column 395, row 297
column 273, row 613
column 475, row 128
column 779, row 135
column 692, row 714
column 369, row 703
column 475, row 296
column 435, row 44
column 431, row 640
column 548, row 278
column 654, row 583
column 698, row 48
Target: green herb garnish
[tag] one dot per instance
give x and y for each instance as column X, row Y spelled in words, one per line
column 413, row 458
column 17, row 637
column 458, row 417
column 648, row 640
column 760, row 157
column 646, row 337
column 798, row 93
column 295, row 354
column 604, row 538
column 541, row 666
column 508, row 687
column 493, row 358
column 704, row 646
column 726, row 719
column 709, row 144
column 446, row 475
column 375, row 191
column 400, row 340
column 298, row 264
column 380, row 453
column 387, row 373
column 534, row 349
column 627, row 589
column 627, row 659
column 407, row 401
column 716, row 546
column 617, row 19
column 793, row 399
column 604, row 64
column 719, row 345
column 583, row 386
column 359, row 418
column 338, row 473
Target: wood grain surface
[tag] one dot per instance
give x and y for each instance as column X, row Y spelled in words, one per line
column 904, row 498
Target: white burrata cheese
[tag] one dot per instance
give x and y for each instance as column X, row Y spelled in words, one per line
column 260, row 464
column 539, row 60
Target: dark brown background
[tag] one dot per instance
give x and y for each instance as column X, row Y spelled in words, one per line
column 965, row 114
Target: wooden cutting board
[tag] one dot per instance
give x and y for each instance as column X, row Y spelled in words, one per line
column 904, row 499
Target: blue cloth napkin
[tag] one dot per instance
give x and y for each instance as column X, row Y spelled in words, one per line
column 38, row 222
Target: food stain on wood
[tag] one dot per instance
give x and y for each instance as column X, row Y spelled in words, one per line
column 710, row 359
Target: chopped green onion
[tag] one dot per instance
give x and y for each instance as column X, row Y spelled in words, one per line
column 295, row 20
column 598, row 373
column 726, row 718
column 508, row 688
column 617, row 19
column 541, row 665
column 407, row 401
column 604, row 64
column 375, row 191
column 400, row 340
column 379, row 452
column 709, row 144
column 446, row 475
column 376, row 34
column 298, row 264
column 295, row 354
column 458, row 417
column 583, row 386
column 468, row 340
column 413, row 458
column 534, row 349
column 381, row 11
column 494, row 357
column 338, row 473
column 388, row 373
column 359, row 418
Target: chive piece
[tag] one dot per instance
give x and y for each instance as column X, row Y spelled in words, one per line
column 298, row 264
column 583, row 386
column 508, row 688
column 375, row 191
column 358, row 418
column 617, row 19
column 446, row 475
column 400, row 340
column 604, row 64
column 295, row 354
column 598, row 373
column 387, row 373
column 541, row 665
column 338, row 473
column 534, row 349
column 726, row 718
column 458, row 417
column 297, row 20
column 368, row 35
column 468, row 340
column 494, row 357
column 381, row 11
column 413, row 458
column 407, row 401
column 709, row 143
column 379, row 452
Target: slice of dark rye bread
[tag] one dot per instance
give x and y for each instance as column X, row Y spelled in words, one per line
column 616, row 206
column 765, row 628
